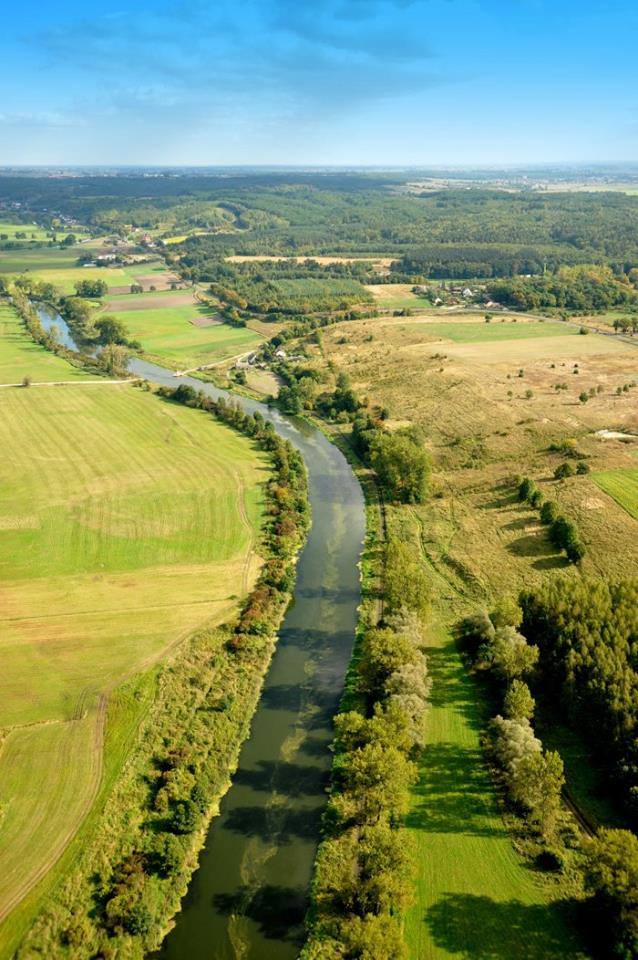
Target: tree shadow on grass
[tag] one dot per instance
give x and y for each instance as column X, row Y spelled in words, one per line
column 479, row 928
column 451, row 686
column 454, row 794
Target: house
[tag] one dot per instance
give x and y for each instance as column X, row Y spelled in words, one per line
column 467, row 293
column 280, row 354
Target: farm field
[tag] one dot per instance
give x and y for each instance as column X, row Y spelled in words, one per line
column 59, row 267
column 172, row 334
column 314, row 290
column 396, row 296
column 622, row 486
column 125, row 524
column 21, row 357
column 32, row 230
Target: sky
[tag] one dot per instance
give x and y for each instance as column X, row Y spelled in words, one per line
column 319, row 82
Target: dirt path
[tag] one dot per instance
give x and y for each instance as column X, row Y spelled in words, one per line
column 71, row 383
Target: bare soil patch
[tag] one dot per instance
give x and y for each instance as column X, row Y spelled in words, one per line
column 213, row 321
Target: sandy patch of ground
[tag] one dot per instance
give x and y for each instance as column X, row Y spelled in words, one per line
column 205, row 321
column 381, row 263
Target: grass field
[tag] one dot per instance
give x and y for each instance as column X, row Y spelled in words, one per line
column 167, row 334
column 396, row 296
column 482, row 332
column 125, row 524
column 622, row 485
column 475, row 898
column 32, row 231
column 59, row 267
column 20, row 356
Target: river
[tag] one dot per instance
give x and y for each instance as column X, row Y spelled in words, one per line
column 248, row 897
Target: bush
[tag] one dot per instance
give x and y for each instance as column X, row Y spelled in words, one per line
column 549, row 512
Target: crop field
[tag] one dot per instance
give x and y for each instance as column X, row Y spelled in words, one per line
column 396, row 296
column 21, row 357
column 622, row 485
column 125, row 524
column 59, row 267
column 312, row 289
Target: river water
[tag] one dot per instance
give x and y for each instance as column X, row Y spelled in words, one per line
column 248, row 897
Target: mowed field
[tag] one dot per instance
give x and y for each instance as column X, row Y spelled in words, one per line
column 21, row 357
column 177, row 330
column 125, row 524
column 479, row 332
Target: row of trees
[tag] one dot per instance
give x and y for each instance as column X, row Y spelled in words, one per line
column 562, row 532
column 363, row 878
column 533, row 776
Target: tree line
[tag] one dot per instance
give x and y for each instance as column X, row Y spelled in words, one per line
column 364, row 870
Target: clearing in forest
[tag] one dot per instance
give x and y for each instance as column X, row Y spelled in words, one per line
column 126, row 523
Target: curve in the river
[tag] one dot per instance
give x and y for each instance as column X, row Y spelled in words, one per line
column 248, row 897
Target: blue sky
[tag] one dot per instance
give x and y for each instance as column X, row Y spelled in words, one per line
column 320, row 82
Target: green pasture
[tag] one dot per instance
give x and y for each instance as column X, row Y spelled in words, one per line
column 20, row 357
column 482, row 332
column 622, row 486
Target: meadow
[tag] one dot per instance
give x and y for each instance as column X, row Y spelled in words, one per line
column 481, row 332
column 32, row 230
column 126, row 523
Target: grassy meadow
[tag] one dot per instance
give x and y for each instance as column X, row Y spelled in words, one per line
column 126, row 523
column 480, row 332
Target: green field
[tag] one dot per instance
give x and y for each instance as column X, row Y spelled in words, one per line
column 311, row 289
column 481, row 332
column 167, row 334
column 33, row 232
column 622, row 485
column 125, row 524
column 20, row 356
column 59, row 267
column 475, row 898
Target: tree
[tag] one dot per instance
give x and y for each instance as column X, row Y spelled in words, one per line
column 518, row 703
column 402, row 466
column 563, row 470
column 611, row 877
column 111, row 330
column 510, row 654
column 113, row 359
column 536, row 781
column 549, row 511
column 406, row 583
column 91, row 288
